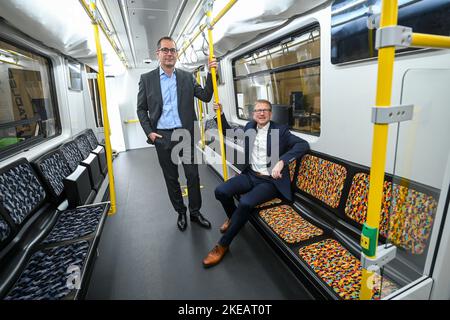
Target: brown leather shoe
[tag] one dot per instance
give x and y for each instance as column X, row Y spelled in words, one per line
column 225, row 226
column 215, row 256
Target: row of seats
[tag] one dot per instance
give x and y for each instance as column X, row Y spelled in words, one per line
column 321, row 230
column 47, row 249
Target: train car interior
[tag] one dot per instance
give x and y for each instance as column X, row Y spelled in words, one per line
column 87, row 210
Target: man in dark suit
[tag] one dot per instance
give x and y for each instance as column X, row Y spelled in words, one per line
column 165, row 103
column 262, row 178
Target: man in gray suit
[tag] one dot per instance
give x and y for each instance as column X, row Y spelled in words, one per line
column 165, row 103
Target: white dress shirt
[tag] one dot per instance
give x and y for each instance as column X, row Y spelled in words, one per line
column 258, row 160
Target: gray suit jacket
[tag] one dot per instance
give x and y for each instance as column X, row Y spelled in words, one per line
column 150, row 102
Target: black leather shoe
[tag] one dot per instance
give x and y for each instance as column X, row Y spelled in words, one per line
column 182, row 222
column 201, row 220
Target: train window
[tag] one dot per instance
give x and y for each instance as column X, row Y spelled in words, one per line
column 95, row 96
column 28, row 112
column 352, row 21
column 75, row 82
column 287, row 73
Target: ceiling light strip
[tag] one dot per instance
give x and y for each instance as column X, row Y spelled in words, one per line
column 106, row 32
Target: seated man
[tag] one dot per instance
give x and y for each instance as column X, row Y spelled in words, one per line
column 259, row 181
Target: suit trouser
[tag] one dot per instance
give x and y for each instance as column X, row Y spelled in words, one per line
column 254, row 190
column 164, row 148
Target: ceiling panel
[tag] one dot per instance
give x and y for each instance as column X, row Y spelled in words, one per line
column 147, row 28
column 149, row 21
column 148, row 4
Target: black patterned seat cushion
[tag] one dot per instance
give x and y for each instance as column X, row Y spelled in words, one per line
column 20, row 191
column 47, row 275
column 83, row 145
column 4, row 230
column 76, row 223
column 54, row 169
column 92, row 138
column 72, row 154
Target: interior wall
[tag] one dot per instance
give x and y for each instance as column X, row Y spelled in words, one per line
column 347, row 97
column 127, row 87
column 113, row 95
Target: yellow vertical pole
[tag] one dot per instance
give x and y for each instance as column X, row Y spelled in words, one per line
column 216, row 93
column 200, row 115
column 389, row 15
column 102, row 89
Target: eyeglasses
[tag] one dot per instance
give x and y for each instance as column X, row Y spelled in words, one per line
column 167, row 50
column 261, row 111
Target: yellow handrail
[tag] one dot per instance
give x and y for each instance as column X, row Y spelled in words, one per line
column 102, row 91
column 131, row 121
column 386, row 55
column 219, row 16
column 430, row 41
column 200, row 115
column 216, row 98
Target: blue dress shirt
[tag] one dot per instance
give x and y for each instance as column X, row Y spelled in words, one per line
column 169, row 117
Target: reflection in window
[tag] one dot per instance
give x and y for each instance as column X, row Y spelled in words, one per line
column 353, row 25
column 27, row 110
column 75, row 82
column 287, row 73
column 95, row 96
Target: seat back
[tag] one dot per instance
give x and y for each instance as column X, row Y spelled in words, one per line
column 322, row 180
column 53, row 168
column 83, row 145
column 21, row 195
column 72, row 154
column 21, row 192
column 5, row 232
column 91, row 138
column 407, row 211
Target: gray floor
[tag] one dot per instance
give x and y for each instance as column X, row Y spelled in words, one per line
column 144, row 256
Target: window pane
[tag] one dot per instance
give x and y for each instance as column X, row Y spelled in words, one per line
column 27, row 112
column 293, row 50
column 298, row 89
column 75, row 81
column 95, row 96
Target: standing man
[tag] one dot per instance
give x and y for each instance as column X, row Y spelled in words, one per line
column 165, row 103
column 261, row 179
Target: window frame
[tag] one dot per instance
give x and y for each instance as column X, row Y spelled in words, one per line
column 361, row 59
column 316, row 62
column 25, row 145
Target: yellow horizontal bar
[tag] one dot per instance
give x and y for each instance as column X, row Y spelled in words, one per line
column 131, row 121
column 430, row 41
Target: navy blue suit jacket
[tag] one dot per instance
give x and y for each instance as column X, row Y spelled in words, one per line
column 290, row 147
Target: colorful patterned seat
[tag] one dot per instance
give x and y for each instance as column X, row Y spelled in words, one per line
column 340, row 270
column 289, row 225
column 322, row 179
column 407, row 215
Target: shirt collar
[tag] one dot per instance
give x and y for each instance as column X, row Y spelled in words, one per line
column 161, row 71
column 265, row 128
